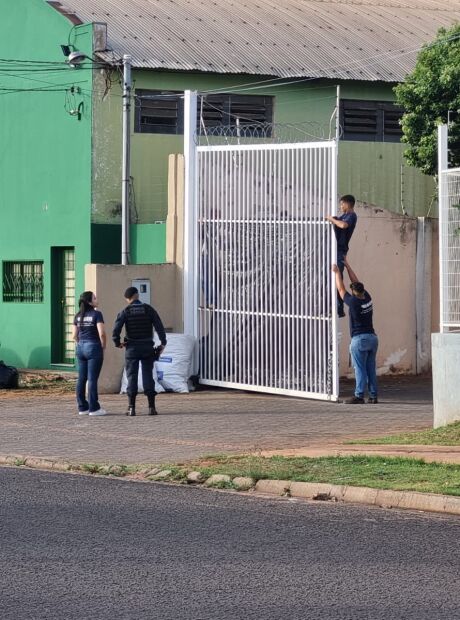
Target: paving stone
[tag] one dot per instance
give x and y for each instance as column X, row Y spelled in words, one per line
column 274, row 487
column 203, row 422
column 243, row 483
column 195, row 476
column 217, row 479
column 161, row 475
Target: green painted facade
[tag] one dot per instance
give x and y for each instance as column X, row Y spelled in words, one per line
column 61, row 174
column 45, row 164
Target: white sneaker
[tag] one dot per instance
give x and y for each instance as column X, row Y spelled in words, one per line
column 98, row 412
column 83, row 412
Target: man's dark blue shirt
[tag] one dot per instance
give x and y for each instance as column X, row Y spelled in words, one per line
column 343, row 235
column 360, row 314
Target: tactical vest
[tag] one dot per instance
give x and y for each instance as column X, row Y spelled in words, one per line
column 138, row 324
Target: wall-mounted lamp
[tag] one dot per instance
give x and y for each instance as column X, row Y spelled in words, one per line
column 74, row 57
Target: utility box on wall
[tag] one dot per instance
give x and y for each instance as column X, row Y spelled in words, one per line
column 143, row 286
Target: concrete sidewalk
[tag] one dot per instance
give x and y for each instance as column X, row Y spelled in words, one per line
column 209, row 422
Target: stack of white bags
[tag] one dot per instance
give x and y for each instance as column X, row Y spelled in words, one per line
column 176, row 365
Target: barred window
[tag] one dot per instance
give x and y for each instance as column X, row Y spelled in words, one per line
column 370, row 121
column 23, row 281
column 158, row 112
column 237, row 111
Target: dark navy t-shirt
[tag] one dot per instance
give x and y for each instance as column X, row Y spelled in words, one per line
column 87, row 326
column 360, row 314
column 343, row 235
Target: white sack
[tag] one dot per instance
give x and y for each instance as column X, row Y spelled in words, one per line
column 176, row 365
column 124, row 381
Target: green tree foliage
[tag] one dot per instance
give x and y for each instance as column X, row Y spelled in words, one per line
column 427, row 96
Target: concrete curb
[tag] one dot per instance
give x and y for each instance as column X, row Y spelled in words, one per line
column 318, row 491
column 412, row 500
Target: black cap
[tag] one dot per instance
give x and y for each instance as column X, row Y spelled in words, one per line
column 130, row 292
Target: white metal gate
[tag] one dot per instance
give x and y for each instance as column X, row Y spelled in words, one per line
column 265, row 299
column 449, row 237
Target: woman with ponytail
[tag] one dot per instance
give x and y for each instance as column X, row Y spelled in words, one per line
column 89, row 334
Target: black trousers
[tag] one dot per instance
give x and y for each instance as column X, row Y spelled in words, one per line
column 144, row 353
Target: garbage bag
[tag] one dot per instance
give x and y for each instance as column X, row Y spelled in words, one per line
column 9, row 377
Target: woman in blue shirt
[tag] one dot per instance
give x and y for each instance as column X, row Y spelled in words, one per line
column 89, row 334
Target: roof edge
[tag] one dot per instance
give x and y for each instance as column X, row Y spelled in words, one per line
column 68, row 13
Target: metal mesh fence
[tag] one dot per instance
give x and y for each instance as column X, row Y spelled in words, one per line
column 450, row 249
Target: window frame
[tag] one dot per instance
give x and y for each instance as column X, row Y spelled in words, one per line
column 16, row 288
column 158, row 96
column 383, row 131
column 220, row 112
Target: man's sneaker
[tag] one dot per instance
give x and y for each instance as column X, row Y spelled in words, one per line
column 356, row 400
column 372, row 401
column 98, row 412
column 83, row 412
column 152, row 411
column 131, row 411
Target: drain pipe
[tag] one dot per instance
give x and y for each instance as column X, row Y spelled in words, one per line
column 125, row 219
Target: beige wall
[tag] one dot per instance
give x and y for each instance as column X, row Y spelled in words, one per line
column 109, row 282
column 383, row 255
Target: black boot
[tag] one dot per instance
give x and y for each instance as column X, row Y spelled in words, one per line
column 152, row 409
column 131, row 407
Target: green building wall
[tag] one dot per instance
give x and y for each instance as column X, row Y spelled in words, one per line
column 45, row 166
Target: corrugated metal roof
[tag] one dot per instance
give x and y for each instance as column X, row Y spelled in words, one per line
column 346, row 39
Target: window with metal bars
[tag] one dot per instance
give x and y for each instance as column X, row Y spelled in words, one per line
column 370, row 121
column 23, row 281
column 158, row 112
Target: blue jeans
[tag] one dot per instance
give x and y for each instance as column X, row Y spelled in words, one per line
column 341, row 265
column 90, row 357
column 363, row 350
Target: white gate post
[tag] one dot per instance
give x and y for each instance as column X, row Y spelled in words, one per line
column 442, row 214
column 190, row 217
column 333, row 258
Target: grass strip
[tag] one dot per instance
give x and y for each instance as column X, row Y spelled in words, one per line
column 393, row 473
column 444, row 436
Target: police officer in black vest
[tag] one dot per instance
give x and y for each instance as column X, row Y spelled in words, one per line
column 139, row 321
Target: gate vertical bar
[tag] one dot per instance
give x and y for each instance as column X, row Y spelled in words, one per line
column 333, row 291
column 190, row 301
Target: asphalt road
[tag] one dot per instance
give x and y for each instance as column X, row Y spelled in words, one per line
column 76, row 547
